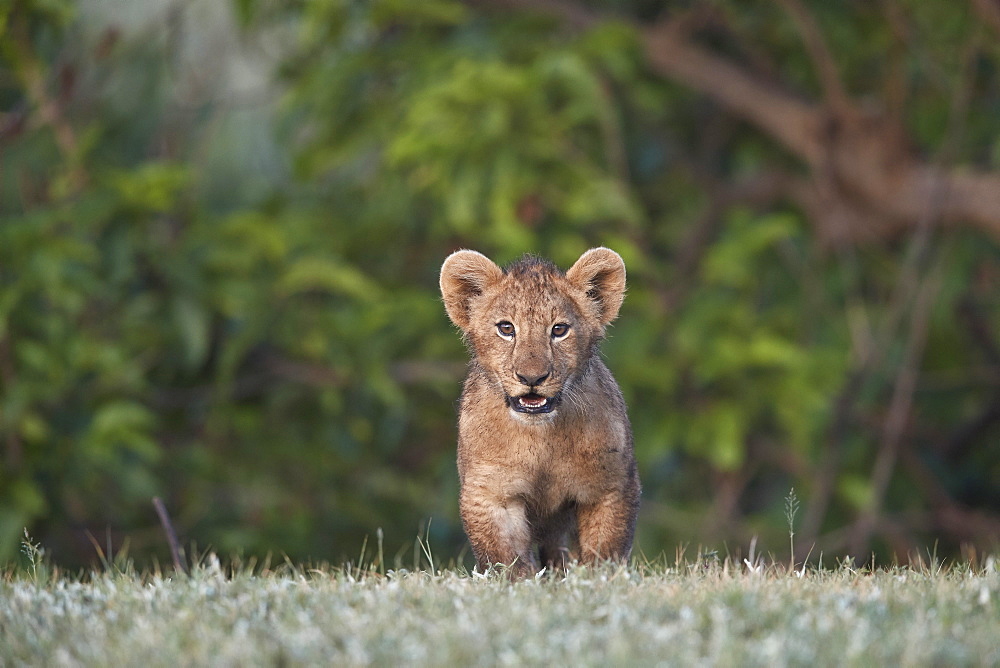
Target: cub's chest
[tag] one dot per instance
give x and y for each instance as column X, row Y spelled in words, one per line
column 557, row 484
column 548, row 465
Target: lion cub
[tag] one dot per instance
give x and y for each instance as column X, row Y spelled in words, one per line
column 544, row 442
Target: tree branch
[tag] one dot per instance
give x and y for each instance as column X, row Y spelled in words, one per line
column 988, row 11
column 30, row 70
column 865, row 158
column 823, row 60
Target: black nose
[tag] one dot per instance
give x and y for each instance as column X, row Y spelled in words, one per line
column 531, row 381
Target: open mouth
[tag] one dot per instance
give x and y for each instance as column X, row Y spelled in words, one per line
column 533, row 403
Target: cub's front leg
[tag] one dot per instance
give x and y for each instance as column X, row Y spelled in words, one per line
column 607, row 526
column 497, row 529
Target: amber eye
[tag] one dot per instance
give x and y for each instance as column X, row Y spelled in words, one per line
column 505, row 329
column 560, row 330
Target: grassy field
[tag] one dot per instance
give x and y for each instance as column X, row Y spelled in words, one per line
column 704, row 613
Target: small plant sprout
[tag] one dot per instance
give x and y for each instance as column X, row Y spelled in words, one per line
column 754, row 563
column 791, row 509
column 35, row 554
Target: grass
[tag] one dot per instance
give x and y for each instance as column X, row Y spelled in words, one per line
column 706, row 612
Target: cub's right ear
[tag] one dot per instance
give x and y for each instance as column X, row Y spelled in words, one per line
column 465, row 275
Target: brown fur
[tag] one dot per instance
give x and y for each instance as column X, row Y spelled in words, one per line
column 541, row 478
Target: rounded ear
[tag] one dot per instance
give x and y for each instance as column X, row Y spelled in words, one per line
column 600, row 272
column 465, row 274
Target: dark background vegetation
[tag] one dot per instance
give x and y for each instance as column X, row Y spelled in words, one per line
column 221, row 226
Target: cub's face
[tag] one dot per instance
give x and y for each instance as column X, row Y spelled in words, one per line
column 531, row 335
column 531, row 327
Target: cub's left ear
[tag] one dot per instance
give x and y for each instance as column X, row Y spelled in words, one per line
column 600, row 272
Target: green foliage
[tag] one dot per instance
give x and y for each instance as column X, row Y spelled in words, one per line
column 490, row 137
column 739, row 342
column 229, row 299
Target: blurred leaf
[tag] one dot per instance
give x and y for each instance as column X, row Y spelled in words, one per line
column 730, row 261
column 121, row 424
column 318, row 273
column 719, row 436
column 33, row 428
column 245, row 10
column 856, row 490
column 153, row 187
column 426, row 12
column 193, row 322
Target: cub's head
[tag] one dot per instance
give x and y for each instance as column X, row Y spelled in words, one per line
column 531, row 327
